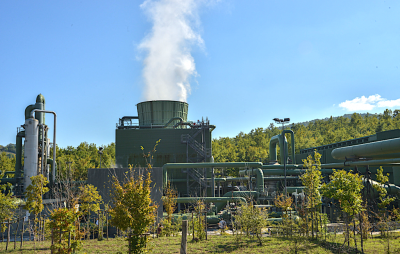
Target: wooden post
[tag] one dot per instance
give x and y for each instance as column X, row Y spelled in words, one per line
column 52, row 240
column 15, row 235
column 205, row 220
column 69, row 240
column 23, row 231
column 184, row 237
column 43, row 231
column 98, row 222
column 8, row 234
column 107, row 225
column 193, row 225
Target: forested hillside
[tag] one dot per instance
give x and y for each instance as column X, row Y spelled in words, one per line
column 254, row 146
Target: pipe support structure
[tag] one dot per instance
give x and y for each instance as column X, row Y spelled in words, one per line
column 168, row 166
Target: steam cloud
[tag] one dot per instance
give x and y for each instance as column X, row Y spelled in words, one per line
column 169, row 65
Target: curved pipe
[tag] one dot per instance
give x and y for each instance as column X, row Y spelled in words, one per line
column 292, row 142
column 273, row 156
column 54, row 133
column 259, row 177
column 171, row 120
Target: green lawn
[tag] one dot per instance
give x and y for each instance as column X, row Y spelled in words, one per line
column 222, row 244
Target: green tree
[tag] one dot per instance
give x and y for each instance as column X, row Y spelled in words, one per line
column 63, row 225
column 34, row 197
column 312, row 180
column 346, row 188
column 89, row 198
column 133, row 210
column 7, row 205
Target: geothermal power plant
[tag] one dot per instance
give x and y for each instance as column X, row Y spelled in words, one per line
column 184, row 157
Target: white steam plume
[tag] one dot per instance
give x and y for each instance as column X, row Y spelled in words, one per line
column 169, row 66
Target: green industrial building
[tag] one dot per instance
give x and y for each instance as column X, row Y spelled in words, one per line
column 180, row 141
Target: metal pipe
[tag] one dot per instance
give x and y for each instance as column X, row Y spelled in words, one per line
column 368, row 150
column 168, row 166
column 259, row 177
column 42, row 164
column 18, row 154
column 292, row 142
column 219, row 201
column 54, row 135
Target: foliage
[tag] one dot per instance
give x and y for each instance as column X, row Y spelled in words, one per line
column 34, row 194
column 133, row 209
column 75, row 162
column 199, row 222
column 90, row 199
column 251, row 220
column 7, row 163
column 312, row 179
column 63, row 223
column 382, row 179
column 7, row 207
column 169, row 200
column 7, row 201
column 346, row 188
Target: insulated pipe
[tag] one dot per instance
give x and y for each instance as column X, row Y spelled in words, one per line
column 292, row 142
column 168, row 166
column 53, row 169
column 54, row 135
column 368, row 150
column 18, row 153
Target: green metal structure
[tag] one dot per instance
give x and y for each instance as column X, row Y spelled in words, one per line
column 181, row 141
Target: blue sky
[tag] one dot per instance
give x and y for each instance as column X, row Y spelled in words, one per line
column 253, row 61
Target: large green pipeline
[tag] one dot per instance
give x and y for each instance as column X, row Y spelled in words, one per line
column 168, row 166
column 368, row 150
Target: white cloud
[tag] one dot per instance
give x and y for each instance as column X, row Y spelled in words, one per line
column 368, row 103
column 389, row 103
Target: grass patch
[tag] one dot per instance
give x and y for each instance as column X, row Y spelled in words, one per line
column 225, row 244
